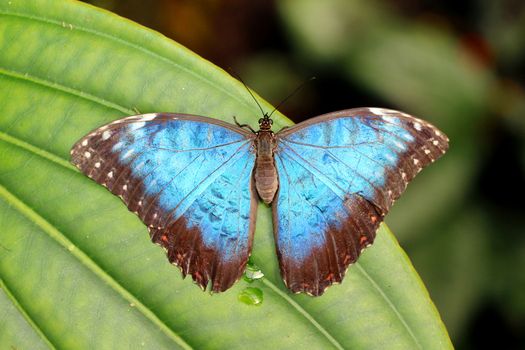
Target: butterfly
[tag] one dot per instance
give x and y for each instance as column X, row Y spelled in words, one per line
column 196, row 182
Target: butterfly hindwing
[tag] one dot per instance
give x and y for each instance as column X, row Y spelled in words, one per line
column 339, row 174
column 189, row 179
column 316, row 235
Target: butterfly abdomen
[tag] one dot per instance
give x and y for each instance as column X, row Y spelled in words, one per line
column 265, row 174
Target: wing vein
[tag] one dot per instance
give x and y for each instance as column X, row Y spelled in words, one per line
column 313, row 167
column 158, row 194
column 327, row 147
column 229, row 194
column 200, row 183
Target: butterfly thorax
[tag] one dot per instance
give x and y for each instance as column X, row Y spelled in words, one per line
column 265, row 174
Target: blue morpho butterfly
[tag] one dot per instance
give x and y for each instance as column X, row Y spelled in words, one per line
column 194, row 182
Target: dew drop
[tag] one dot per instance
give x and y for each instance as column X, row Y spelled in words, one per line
column 252, row 272
column 251, row 296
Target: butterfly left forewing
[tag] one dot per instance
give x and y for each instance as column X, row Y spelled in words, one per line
column 339, row 174
column 189, row 180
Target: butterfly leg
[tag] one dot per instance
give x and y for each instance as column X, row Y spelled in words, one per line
column 243, row 125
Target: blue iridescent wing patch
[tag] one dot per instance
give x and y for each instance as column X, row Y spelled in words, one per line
column 339, row 174
column 189, row 179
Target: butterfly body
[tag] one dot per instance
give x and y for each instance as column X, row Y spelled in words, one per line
column 265, row 173
column 194, row 182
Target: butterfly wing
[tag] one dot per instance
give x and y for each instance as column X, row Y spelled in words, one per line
column 189, row 179
column 339, row 174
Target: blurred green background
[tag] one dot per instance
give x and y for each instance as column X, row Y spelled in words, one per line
column 460, row 65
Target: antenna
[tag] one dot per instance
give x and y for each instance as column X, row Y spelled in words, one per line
column 280, row 103
column 247, row 88
column 293, row 93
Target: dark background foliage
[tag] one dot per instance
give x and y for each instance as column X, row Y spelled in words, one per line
column 460, row 65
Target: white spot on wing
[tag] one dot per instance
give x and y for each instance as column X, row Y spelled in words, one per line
column 125, row 187
column 136, row 125
column 417, row 126
column 106, row 134
column 416, row 161
column 97, row 165
column 85, row 142
column 149, row 116
column 388, row 119
column 87, row 155
column 110, row 174
column 427, row 151
column 377, row 111
column 435, row 142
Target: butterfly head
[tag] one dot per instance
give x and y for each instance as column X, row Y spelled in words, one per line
column 265, row 123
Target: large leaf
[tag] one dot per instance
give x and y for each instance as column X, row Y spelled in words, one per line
column 77, row 269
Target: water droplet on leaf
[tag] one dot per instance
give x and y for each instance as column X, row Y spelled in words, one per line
column 252, row 272
column 251, row 296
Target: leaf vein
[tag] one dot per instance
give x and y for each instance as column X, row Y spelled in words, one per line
column 390, row 304
column 135, row 47
column 24, row 313
column 66, row 89
column 83, row 258
column 303, row 312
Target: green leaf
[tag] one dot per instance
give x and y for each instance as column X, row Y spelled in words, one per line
column 77, row 269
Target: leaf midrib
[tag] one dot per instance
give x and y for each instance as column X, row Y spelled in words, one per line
column 390, row 304
column 302, row 311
